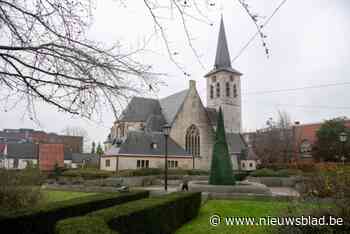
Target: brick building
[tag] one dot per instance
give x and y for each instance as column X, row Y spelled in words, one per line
column 20, row 155
column 73, row 144
column 304, row 139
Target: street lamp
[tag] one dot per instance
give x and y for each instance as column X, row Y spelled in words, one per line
column 166, row 131
column 343, row 137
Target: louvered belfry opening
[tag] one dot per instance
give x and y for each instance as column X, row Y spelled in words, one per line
column 193, row 141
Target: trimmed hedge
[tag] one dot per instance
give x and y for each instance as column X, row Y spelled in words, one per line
column 91, row 174
column 87, row 174
column 157, row 215
column 265, row 172
column 43, row 219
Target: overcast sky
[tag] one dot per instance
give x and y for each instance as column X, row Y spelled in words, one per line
column 308, row 40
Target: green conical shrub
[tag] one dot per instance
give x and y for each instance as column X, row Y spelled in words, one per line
column 221, row 165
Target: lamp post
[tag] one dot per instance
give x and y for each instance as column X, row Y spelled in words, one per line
column 343, row 137
column 166, row 131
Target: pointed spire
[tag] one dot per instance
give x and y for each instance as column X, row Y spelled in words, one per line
column 222, row 58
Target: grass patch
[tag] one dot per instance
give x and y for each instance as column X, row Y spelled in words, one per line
column 50, row 196
column 251, row 208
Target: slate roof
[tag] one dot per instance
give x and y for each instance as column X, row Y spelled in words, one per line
column 78, row 158
column 22, row 151
column 67, row 154
column 112, row 151
column 222, row 58
column 235, row 142
column 139, row 109
column 212, row 115
column 140, row 143
column 155, row 123
column 170, row 105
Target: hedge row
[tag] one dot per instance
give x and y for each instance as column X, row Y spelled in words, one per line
column 87, row 173
column 157, row 215
column 43, row 219
column 90, row 173
column 266, row 172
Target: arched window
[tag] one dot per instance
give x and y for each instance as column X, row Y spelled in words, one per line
column 193, row 141
column 235, row 91
column 120, row 132
column 211, row 92
column 228, row 89
column 217, row 89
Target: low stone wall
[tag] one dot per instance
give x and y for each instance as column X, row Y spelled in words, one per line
column 276, row 181
column 246, row 188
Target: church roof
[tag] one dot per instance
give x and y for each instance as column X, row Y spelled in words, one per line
column 170, row 105
column 235, row 143
column 140, row 143
column 139, row 109
column 222, row 57
column 155, row 123
column 212, row 115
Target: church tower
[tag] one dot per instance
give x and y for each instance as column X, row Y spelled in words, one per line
column 224, row 86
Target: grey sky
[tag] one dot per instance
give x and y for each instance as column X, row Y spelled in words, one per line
column 309, row 43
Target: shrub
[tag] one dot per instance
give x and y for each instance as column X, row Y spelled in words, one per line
column 157, row 215
column 43, row 219
column 19, row 189
column 87, row 173
column 335, row 188
column 264, row 172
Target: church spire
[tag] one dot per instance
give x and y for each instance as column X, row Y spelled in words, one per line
column 222, row 58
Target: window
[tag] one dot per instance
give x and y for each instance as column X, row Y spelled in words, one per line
column 211, row 91
column 15, row 163
column 250, row 165
column 235, row 90
column 142, row 164
column 138, row 164
column 154, row 145
column 231, row 78
column 228, row 89
column 172, row 164
column 243, row 165
column 108, row 162
column 193, row 141
column 305, row 146
column 214, row 79
column 217, row 89
column 120, row 132
column 142, row 126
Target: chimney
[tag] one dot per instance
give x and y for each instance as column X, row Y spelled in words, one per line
column 192, row 84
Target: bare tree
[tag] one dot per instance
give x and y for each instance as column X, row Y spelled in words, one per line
column 76, row 131
column 274, row 144
column 46, row 56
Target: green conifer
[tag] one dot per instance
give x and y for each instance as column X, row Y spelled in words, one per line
column 221, row 165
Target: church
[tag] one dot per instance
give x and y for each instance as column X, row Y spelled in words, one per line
column 136, row 139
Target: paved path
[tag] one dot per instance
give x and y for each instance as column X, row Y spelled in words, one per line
column 284, row 191
column 276, row 191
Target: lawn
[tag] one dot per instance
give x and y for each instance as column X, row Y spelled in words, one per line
column 251, row 208
column 55, row 195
